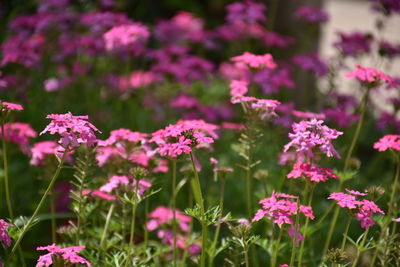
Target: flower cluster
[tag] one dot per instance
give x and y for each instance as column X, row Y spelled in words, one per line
column 5, row 239
column 389, row 141
column 68, row 255
column 183, row 136
column 371, row 77
column 7, row 106
column 312, row 14
column 18, row 133
column 122, row 181
column 363, row 209
column 354, row 44
column 254, row 61
column 312, row 172
column 41, row 150
column 311, row 62
column 311, row 134
column 126, row 35
column 74, row 130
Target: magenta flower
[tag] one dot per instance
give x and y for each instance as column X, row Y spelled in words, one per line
column 362, row 209
column 312, row 134
column 371, row 76
column 389, row 141
column 162, row 216
column 255, row 61
column 354, row 44
column 68, row 254
column 311, row 62
column 74, row 130
column 280, row 208
column 387, row 7
column 127, row 183
column 5, row 239
column 7, row 106
column 41, row 150
column 314, row 173
column 123, row 36
column 312, row 14
column 18, row 133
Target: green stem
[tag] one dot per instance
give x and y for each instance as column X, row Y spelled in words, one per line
column 330, row 232
column 146, row 231
column 174, row 210
column 53, row 216
column 42, row 200
column 345, row 234
column 196, row 187
column 358, row 249
column 306, row 225
column 277, row 245
column 246, row 257
column 216, row 235
column 108, row 219
column 294, row 240
column 248, row 182
column 132, row 232
column 6, row 178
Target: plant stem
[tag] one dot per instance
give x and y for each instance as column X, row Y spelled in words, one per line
column 246, row 257
column 174, row 209
column 108, row 219
column 358, row 249
column 146, row 212
column 132, row 232
column 310, row 198
column 294, row 240
column 345, row 234
column 5, row 170
column 248, row 181
column 330, row 232
column 198, row 196
column 42, row 200
column 277, row 245
column 53, row 216
column 216, row 235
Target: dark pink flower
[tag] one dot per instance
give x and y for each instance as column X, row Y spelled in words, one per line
column 354, row 44
column 5, row 239
column 371, row 76
column 389, row 141
column 162, row 216
column 68, row 254
column 123, row 36
column 7, row 106
column 18, row 133
column 74, row 130
column 314, row 173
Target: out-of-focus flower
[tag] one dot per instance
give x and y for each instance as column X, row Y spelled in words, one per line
column 18, row 133
column 354, row 44
column 68, row 255
column 121, row 181
column 123, row 36
column 255, row 61
column 41, row 150
column 314, row 173
column 363, row 209
column 74, row 130
column 8, row 106
column 312, row 14
column 311, row 62
column 388, row 49
column 270, row 80
column 5, row 239
column 371, row 77
column 387, row 7
column 389, row 141
column 164, row 216
column 307, row 115
column 308, row 135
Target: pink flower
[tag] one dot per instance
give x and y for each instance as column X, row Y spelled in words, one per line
column 371, row 76
column 313, row 172
column 5, row 239
column 280, row 209
column 363, row 209
column 41, row 150
column 312, row 14
column 18, row 133
column 118, row 181
column 389, row 141
column 74, row 130
column 99, row 194
column 7, row 106
column 307, row 115
column 125, row 35
column 308, row 135
column 255, row 61
column 238, row 90
column 164, row 216
column 396, row 219
column 68, row 254
column 295, row 234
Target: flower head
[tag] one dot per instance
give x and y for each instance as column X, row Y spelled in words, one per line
column 74, row 130
column 308, row 135
column 389, row 141
column 164, row 216
column 354, row 44
column 5, row 239
column 121, row 181
column 312, row 172
column 255, row 61
column 7, row 106
column 124, row 35
column 371, row 77
column 18, row 133
column 68, row 254
column 44, row 149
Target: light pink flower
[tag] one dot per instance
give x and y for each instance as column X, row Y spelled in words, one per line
column 255, row 61
column 44, row 149
column 124, row 35
column 74, row 130
column 371, row 76
column 118, row 181
column 164, row 216
column 69, row 254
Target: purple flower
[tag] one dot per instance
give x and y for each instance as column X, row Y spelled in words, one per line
column 354, row 44
column 311, row 62
column 5, row 239
column 312, row 14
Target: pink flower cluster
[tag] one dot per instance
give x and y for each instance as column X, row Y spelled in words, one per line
column 312, row 172
column 123, row 36
column 7, row 106
column 354, row 44
column 68, row 254
column 41, row 150
column 371, row 76
column 18, row 133
column 254, row 61
column 5, row 239
column 363, row 209
column 121, row 181
column 389, row 141
column 280, row 208
column 183, row 136
column 308, row 135
column 74, row 130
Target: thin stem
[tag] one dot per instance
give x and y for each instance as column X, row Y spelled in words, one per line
column 330, row 232
column 108, row 219
column 174, row 209
column 132, row 232
column 146, row 231
column 277, row 245
column 53, row 216
column 246, row 257
column 5, row 170
column 248, row 181
column 42, row 200
column 358, row 249
column 306, row 225
column 345, row 233
column 199, row 199
column 294, row 240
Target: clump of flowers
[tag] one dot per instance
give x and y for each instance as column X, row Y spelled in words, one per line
column 183, row 136
column 74, row 130
column 311, row 62
column 8, row 106
column 68, row 255
column 122, row 36
column 310, row 135
column 254, row 61
column 389, row 141
column 312, row 14
column 371, row 77
column 18, row 133
column 43, row 150
column 312, row 172
column 362, row 209
column 125, row 182
column 354, row 44
column 5, row 239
